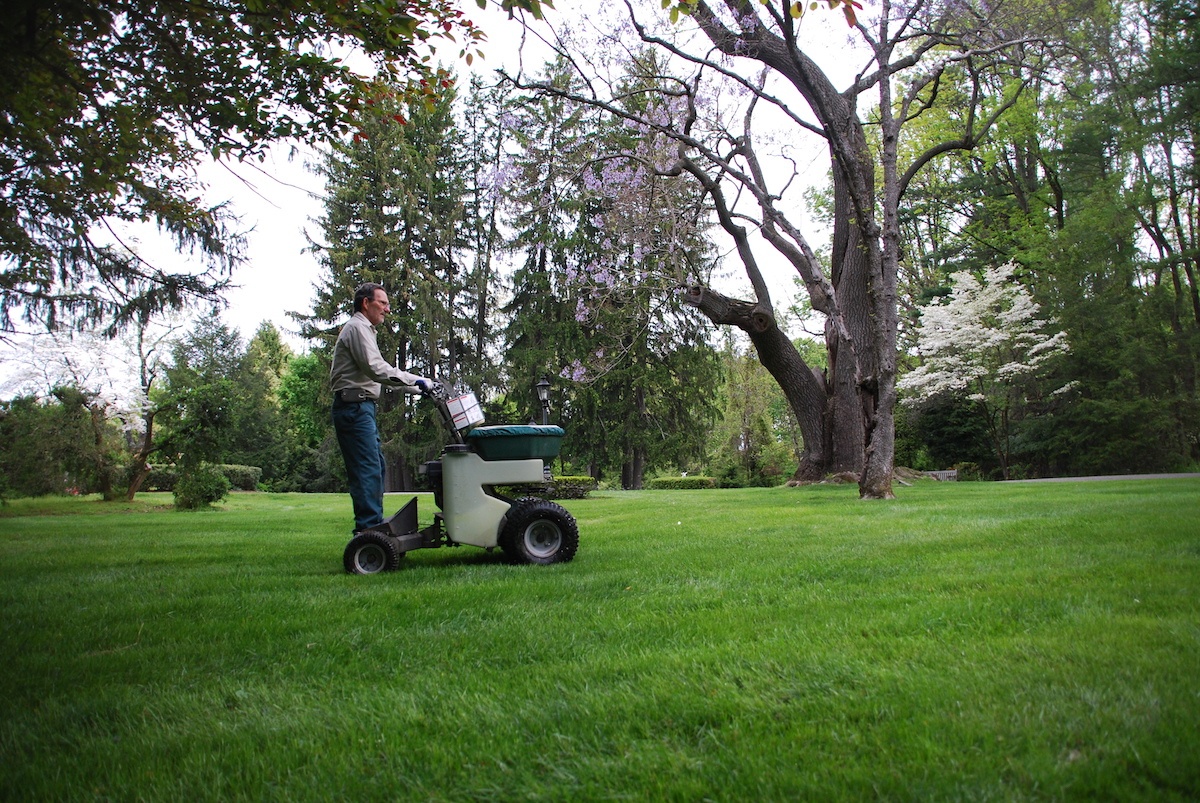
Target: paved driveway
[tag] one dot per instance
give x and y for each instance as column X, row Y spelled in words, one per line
column 1114, row 477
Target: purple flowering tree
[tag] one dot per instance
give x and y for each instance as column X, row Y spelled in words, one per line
column 597, row 232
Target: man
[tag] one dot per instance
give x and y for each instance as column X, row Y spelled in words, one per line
column 357, row 376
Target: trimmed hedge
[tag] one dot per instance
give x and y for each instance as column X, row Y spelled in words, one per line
column 241, row 478
column 557, row 488
column 680, row 483
column 161, row 478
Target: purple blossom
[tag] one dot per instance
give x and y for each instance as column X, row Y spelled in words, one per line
column 574, row 372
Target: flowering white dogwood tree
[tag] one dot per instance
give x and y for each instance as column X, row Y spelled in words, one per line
column 984, row 343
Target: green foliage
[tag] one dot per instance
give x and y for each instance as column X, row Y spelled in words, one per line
column 220, row 403
column 484, row 143
column 161, row 478
column 1093, row 192
column 604, row 245
column 108, row 107
column 312, row 462
column 967, row 472
column 762, row 644
column 534, row 7
column 261, row 437
column 542, row 335
column 199, row 486
column 242, row 478
column 305, row 398
column 201, row 400
column 757, row 439
column 27, row 427
column 64, row 443
column 911, row 449
column 953, row 432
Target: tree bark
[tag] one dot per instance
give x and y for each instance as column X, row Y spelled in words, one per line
column 139, row 468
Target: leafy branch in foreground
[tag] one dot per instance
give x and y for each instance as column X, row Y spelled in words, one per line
column 108, row 106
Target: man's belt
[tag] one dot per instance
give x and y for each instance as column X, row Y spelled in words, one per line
column 353, row 395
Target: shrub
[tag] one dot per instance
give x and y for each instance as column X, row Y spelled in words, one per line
column 572, row 487
column 680, row 483
column 200, row 486
column 968, row 472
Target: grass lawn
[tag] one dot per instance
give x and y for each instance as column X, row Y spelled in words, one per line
column 968, row 641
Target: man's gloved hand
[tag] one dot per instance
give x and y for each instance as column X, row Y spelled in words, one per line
column 431, row 388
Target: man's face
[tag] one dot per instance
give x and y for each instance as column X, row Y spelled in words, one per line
column 376, row 308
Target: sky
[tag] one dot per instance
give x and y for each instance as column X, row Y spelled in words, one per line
column 277, row 202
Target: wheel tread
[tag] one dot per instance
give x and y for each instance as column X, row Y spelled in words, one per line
column 523, row 513
column 391, row 551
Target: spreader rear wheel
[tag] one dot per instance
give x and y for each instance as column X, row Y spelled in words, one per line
column 537, row 531
column 371, row 553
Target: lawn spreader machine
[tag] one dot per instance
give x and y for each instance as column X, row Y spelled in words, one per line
column 470, row 511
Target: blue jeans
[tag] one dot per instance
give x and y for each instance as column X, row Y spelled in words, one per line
column 358, row 437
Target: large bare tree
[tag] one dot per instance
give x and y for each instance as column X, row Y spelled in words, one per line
column 742, row 69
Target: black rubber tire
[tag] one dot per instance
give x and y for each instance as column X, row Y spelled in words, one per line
column 541, row 532
column 371, row 553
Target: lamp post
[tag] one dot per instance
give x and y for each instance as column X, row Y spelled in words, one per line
column 543, row 394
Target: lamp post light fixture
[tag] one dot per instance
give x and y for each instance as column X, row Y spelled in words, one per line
column 543, row 394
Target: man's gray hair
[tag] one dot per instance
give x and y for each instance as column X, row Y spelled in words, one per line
column 363, row 292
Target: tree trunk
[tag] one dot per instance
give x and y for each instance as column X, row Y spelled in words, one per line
column 847, row 434
column 139, row 467
column 633, row 470
column 860, row 428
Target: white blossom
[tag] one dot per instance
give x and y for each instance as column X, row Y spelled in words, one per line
column 985, row 337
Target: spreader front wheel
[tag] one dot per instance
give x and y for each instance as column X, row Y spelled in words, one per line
column 537, row 531
column 371, row 553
